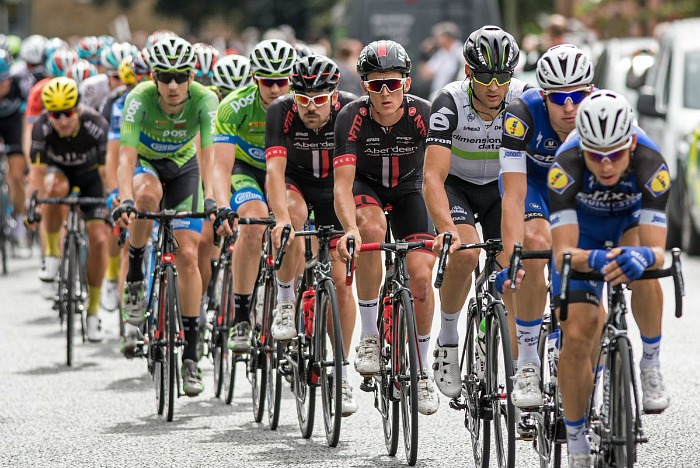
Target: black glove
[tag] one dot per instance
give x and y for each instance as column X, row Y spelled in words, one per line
column 209, row 206
column 126, row 207
column 222, row 215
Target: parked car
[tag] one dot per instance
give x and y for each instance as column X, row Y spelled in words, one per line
column 669, row 111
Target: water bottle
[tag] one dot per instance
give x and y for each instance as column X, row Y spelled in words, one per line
column 388, row 320
column 309, row 301
column 553, row 355
column 481, row 350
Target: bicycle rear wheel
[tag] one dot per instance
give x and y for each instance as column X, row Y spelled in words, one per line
column 306, row 370
column 408, row 373
column 159, row 345
column 331, row 371
column 499, row 370
column 171, row 317
column 389, row 395
column 624, row 447
column 70, row 295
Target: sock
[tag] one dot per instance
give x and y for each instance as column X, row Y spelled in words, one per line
column 285, row 291
column 344, row 372
column 528, row 337
column 191, row 328
column 576, row 436
column 135, row 272
column 94, row 294
column 51, row 249
column 423, row 346
column 449, row 333
column 650, row 352
column 113, row 268
column 20, row 228
column 241, row 308
column 368, row 317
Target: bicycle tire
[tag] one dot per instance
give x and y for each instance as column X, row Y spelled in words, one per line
column 408, row 373
column 160, row 358
column 304, row 392
column 257, row 366
column 621, row 409
column 331, row 383
column 500, row 385
column 222, row 364
column 473, row 387
column 388, row 401
column 273, row 355
column 172, row 335
column 4, row 224
column 70, row 296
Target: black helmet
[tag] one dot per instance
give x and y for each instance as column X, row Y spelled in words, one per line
column 491, row 49
column 314, row 73
column 383, row 56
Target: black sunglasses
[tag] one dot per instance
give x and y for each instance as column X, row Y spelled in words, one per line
column 167, row 77
column 68, row 113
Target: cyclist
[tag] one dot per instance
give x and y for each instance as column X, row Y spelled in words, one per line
column 89, row 48
column 230, row 73
column 535, row 126
column 32, row 53
column 207, row 57
column 608, row 183
column 299, row 140
column 68, row 149
column 158, row 162
column 240, row 137
column 12, row 104
column 460, row 183
column 101, row 90
column 378, row 161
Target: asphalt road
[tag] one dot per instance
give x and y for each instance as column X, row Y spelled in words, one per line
column 101, row 412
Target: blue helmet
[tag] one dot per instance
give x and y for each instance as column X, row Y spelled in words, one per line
column 5, row 64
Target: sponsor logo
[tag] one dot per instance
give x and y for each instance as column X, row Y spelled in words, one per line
column 558, row 179
column 411, row 111
column 457, row 210
column 393, row 150
column 238, row 104
column 244, row 196
column 373, row 139
column 515, row 127
column 175, row 133
column 439, row 141
column 660, row 182
column 363, row 111
column 355, row 127
column 658, row 219
column 288, row 119
column 165, row 147
column 326, row 145
column 131, row 111
column 471, row 117
column 535, row 206
column 510, row 154
column 257, row 153
column 550, row 144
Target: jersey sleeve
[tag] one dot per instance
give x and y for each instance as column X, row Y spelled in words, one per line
column 207, row 117
column 564, row 181
column 101, row 139
column 132, row 119
column 518, row 128
column 34, row 106
column 654, row 180
column 443, row 120
column 115, row 123
column 226, row 124
column 346, row 131
column 40, row 131
column 279, row 116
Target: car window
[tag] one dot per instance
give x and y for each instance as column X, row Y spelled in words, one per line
column 691, row 91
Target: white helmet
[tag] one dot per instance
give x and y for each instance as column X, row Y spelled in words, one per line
column 604, row 119
column 206, row 56
column 32, row 49
column 273, row 57
column 172, row 54
column 564, row 65
column 232, row 72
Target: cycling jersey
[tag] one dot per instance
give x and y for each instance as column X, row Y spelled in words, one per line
column 386, row 155
column 106, row 107
column 34, row 104
column 115, row 118
column 308, row 152
column 157, row 135
column 15, row 99
column 473, row 142
column 240, row 120
column 94, row 90
column 76, row 155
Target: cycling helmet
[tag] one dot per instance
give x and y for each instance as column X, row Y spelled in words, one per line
column 172, row 54
column 383, row 56
column 107, row 40
column 564, row 65
column 59, row 94
column 232, row 72
column 14, row 44
column 604, row 119
column 314, row 73
column 81, row 70
column 52, row 45
column 132, row 66
column 60, row 61
column 3, row 43
column 113, row 55
column 5, row 64
column 273, row 57
column 206, row 56
column 32, row 49
column 491, row 49
column 158, row 36
column 302, row 50
column 89, row 48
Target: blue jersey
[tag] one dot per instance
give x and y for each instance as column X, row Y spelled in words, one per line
column 115, row 122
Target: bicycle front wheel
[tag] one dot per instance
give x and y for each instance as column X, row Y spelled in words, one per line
column 304, row 371
column 331, row 370
column 621, row 412
column 171, row 318
column 389, row 394
column 70, row 295
column 257, row 365
column 222, row 361
column 499, row 370
column 407, row 341
column 273, row 356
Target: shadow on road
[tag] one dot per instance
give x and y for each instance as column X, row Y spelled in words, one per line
column 59, row 368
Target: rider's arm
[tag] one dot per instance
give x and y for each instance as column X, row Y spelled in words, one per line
column 276, row 157
column 129, row 143
column 38, row 155
column 207, row 119
column 344, row 168
column 225, row 153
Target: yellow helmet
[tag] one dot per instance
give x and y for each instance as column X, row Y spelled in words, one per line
column 59, row 94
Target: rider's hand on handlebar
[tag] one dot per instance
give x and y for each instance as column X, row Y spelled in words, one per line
column 628, row 263
column 124, row 213
column 222, row 222
column 342, row 246
column 503, row 283
column 438, row 241
column 277, row 233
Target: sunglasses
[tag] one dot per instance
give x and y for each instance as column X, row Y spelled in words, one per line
column 68, row 113
column 319, row 100
column 392, row 84
column 577, row 95
column 486, row 78
column 612, row 155
column 167, row 77
column 270, row 82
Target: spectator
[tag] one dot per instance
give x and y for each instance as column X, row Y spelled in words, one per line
column 446, row 61
column 347, row 52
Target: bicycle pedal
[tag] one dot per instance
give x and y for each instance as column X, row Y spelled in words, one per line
column 368, row 385
column 456, row 404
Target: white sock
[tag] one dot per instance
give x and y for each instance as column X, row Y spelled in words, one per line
column 423, row 346
column 576, row 436
column 528, row 337
column 449, row 333
column 368, row 317
column 285, row 291
column 650, row 352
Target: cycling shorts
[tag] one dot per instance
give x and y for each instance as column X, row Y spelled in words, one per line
column 247, row 184
column 472, row 203
column 536, row 199
column 90, row 185
column 318, row 194
column 11, row 134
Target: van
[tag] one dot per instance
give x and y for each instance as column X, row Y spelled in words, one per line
column 669, row 111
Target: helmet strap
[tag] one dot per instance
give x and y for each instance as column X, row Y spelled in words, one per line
column 498, row 108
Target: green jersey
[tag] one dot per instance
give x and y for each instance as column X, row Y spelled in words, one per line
column 157, row 135
column 240, row 120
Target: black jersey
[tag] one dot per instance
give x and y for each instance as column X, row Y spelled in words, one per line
column 76, row 155
column 308, row 152
column 13, row 101
column 386, row 155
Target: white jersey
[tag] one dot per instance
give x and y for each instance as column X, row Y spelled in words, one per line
column 94, row 90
